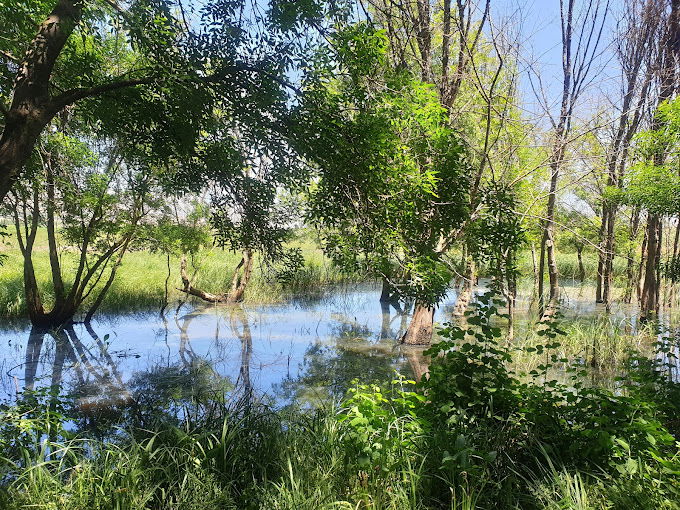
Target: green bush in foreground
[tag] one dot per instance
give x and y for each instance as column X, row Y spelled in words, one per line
column 473, row 435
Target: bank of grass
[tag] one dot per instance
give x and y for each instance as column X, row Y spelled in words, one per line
column 253, row 458
column 140, row 281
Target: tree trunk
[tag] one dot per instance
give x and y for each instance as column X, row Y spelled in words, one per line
column 649, row 299
column 32, row 107
column 420, row 329
column 630, row 265
column 608, row 267
column 167, row 280
column 552, row 259
column 534, row 265
column 241, row 277
column 239, row 282
column 581, row 268
column 600, row 259
column 465, row 293
column 192, row 291
column 386, row 292
column 386, row 321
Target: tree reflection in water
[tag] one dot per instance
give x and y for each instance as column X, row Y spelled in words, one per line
column 329, row 371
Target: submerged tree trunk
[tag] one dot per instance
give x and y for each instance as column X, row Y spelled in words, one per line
column 420, row 329
column 167, row 281
column 387, row 291
column 608, row 248
column 630, row 264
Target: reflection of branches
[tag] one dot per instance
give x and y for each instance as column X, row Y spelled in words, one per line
column 185, row 351
column 68, row 347
column 33, row 348
column 238, row 319
column 388, row 319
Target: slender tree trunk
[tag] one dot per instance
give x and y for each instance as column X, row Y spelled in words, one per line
column 112, row 276
column 600, row 258
column 57, row 281
column 630, row 265
column 167, row 280
column 386, row 320
column 534, row 265
column 649, row 299
column 581, row 268
column 608, row 248
column 386, row 291
column 465, row 293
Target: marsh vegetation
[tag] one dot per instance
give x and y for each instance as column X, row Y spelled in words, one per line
column 356, row 254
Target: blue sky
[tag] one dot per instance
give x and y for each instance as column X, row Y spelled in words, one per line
column 540, row 38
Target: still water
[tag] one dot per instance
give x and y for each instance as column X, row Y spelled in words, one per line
column 300, row 350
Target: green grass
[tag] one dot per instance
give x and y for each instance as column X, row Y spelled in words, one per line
column 140, row 281
column 567, row 265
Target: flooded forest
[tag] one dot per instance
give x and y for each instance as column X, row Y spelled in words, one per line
column 339, row 254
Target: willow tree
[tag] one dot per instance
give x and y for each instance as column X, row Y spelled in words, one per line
column 393, row 175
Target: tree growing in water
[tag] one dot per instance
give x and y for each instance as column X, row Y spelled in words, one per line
column 392, row 178
column 91, row 201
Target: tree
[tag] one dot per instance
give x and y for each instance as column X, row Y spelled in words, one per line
column 144, row 67
column 89, row 199
column 580, row 231
column 637, row 52
column 581, row 35
column 172, row 235
column 393, row 175
column 653, row 185
column 668, row 73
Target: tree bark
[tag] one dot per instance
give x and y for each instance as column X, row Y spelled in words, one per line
column 420, row 329
column 386, row 292
column 192, row 291
column 649, row 299
column 239, row 282
column 241, row 277
column 465, row 293
column 581, row 268
column 31, row 108
column 630, row 265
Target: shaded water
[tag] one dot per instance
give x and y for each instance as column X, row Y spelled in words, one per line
column 300, row 350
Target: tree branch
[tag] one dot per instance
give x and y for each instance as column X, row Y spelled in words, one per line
column 73, row 95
